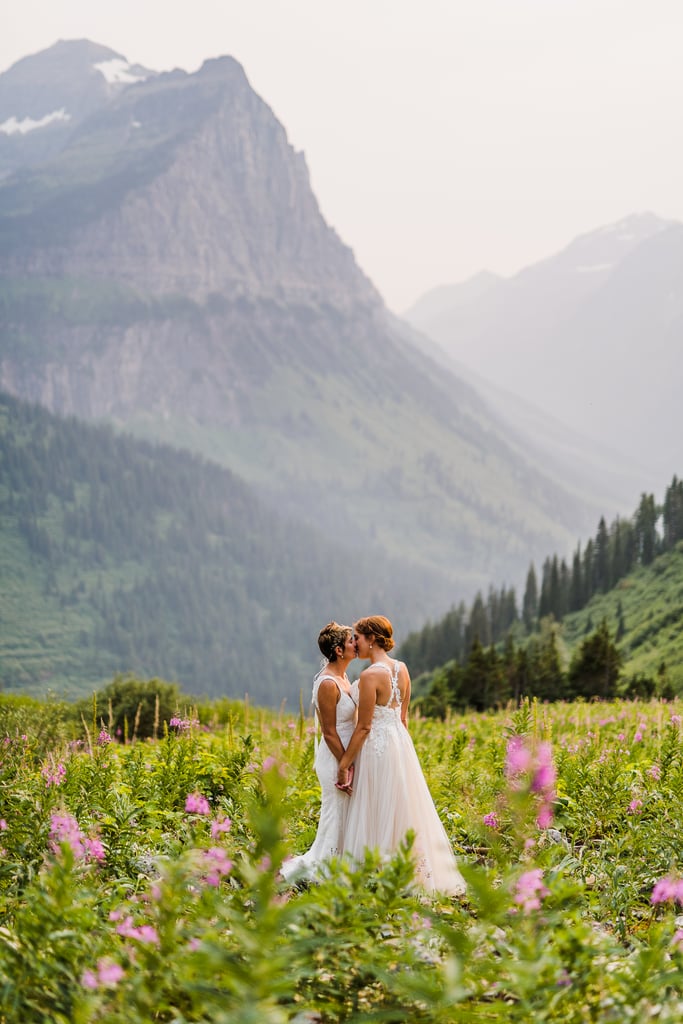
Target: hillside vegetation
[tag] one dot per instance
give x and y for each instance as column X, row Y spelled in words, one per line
column 121, row 556
column 608, row 623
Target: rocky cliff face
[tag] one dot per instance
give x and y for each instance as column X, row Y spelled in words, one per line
column 198, row 193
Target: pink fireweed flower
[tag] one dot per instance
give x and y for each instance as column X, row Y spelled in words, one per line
column 3, row 825
column 638, row 738
column 89, row 980
column 635, row 807
column 95, row 850
column 530, row 890
column 220, row 826
column 491, row 820
column 103, row 739
column 109, row 972
column 667, row 890
column 545, row 774
column 218, row 864
column 268, row 763
column 678, row 939
column 64, row 830
column 518, row 758
column 53, row 777
column 143, row 933
column 197, row 804
column 544, row 818
column 655, row 772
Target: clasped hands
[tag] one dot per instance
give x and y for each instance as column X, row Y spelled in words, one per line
column 345, row 780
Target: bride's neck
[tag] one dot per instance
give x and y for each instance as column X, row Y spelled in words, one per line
column 337, row 668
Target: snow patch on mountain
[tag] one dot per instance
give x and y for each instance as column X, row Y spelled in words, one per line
column 13, row 126
column 118, row 71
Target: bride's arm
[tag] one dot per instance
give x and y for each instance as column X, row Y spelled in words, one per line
column 367, row 698
column 406, row 695
column 328, row 696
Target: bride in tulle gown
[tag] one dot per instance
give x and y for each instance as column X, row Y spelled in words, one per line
column 390, row 793
column 335, row 709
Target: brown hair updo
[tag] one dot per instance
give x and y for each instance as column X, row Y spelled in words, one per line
column 379, row 627
column 332, row 636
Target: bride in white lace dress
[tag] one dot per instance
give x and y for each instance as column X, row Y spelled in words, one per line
column 390, row 793
column 335, row 708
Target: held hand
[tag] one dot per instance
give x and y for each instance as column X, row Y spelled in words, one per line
column 345, row 780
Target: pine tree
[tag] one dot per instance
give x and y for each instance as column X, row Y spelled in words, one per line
column 530, row 602
column 601, row 570
column 596, row 666
column 645, row 524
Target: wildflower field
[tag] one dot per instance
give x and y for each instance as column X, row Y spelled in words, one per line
column 139, row 881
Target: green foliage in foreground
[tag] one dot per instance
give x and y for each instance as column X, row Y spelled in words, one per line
column 122, row 901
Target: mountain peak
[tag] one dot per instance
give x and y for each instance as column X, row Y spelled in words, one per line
column 45, row 96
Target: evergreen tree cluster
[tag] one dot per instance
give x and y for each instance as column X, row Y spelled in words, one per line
column 491, row 652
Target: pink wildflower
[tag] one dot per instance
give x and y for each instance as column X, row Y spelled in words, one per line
column 64, row 830
column 678, row 939
column 638, row 738
column 268, row 763
column 530, row 890
column 220, row 826
column 667, row 889
column 545, row 774
column 53, row 778
column 655, row 772
column 197, row 804
column 109, row 972
column 218, row 864
column 3, row 825
column 89, row 980
column 635, row 806
column 675, row 719
column 518, row 759
column 491, row 820
column 95, row 850
column 544, row 818
column 143, row 933
column 103, row 739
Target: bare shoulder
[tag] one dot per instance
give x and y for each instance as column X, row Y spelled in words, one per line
column 327, row 688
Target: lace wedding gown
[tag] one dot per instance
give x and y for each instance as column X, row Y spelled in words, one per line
column 334, row 806
column 390, row 796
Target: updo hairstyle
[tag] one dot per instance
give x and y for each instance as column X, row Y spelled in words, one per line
column 379, row 627
column 332, row 636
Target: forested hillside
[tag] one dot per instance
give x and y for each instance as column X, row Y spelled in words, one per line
column 620, row 603
column 117, row 555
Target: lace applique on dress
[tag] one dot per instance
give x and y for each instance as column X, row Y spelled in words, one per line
column 386, row 717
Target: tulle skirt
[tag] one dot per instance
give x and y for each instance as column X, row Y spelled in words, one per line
column 391, row 796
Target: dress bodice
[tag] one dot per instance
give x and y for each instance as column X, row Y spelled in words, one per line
column 346, row 706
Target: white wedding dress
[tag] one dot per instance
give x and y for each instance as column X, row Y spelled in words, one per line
column 334, row 806
column 390, row 796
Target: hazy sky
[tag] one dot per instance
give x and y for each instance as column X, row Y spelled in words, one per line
column 442, row 136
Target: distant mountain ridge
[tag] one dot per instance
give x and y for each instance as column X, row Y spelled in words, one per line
column 590, row 335
column 169, row 270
